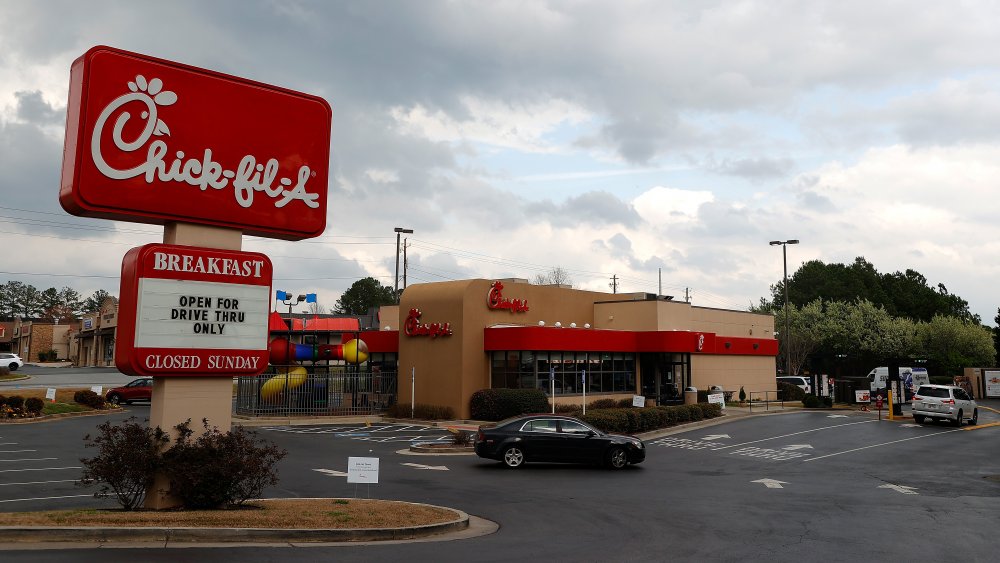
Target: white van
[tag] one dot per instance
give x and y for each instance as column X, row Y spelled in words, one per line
column 912, row 378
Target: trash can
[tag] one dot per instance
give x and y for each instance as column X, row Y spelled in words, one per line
column 690, row 395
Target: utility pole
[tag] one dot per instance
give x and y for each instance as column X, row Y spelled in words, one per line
column 659, row 278
column 614, row 283
column 405, row 263
column 687, row 294
column 395, row 281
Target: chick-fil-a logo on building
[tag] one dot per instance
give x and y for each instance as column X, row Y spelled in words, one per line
column 496, row 300
column 413, row 326
column 155, row 141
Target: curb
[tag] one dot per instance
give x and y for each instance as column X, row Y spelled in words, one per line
column 70, row 534
column 54, row 417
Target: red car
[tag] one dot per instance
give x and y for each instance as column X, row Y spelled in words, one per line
column 137, row 390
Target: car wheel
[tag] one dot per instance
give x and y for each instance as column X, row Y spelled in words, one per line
column 975, row 418
column 918, row 418
column 13, row 366
column 958, row 419
column 617, row 458
column 114, row 399
column 513, row 457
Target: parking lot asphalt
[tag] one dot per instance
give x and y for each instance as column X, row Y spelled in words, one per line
column 763, row 438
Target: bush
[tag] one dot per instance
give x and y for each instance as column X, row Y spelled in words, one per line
column 810, row 401
column 48, row 356
column 34, row 405
column 602, row 404
column 422, row 412
column 710, row 410
column 498, row 404
column 562, row 408
column 4, row 370
column 743, row 395
column 89, row 398
column 218, row 469
column 789, row 392
column 624, row 403
column 15, row 402
column 127, row 459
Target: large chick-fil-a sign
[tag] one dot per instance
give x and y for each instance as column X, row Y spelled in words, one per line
column 193, row 311
column 155, row 141
column 496, row 300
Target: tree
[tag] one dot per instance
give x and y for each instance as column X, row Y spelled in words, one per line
column 951, row 343
column 93, row 303
column 362, row 296
column 555, row 276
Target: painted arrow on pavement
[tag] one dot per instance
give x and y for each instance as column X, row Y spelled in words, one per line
column 771, row 483
column 899, row 488
column 797, row 447
column 911, row 425
column 716, row 436
column 431, row 467
column 331, row 472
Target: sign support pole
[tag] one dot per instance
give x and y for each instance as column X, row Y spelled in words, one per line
column 177, row 400
column 413, row 392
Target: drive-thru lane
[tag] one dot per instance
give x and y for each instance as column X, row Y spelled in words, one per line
column 710, row 502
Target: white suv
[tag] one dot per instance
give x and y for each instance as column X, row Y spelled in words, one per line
column 8, row 360
column 800, row 382
column 945, row 402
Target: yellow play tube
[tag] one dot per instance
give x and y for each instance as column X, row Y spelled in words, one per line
column 274, row 386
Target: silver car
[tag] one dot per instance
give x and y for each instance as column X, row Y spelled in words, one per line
column 944, row 402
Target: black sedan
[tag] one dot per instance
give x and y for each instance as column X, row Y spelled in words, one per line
column 555, row 438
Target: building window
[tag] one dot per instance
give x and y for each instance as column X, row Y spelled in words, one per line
column 604, row 372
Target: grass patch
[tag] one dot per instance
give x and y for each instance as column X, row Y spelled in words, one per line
column 60, row 408
column 282, row 513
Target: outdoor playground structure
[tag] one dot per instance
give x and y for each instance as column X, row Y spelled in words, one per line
column 282, row 354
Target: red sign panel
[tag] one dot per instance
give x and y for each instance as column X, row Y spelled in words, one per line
column 154, row 141
column 193, row 311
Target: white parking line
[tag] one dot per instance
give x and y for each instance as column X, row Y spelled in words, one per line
column 30, row 459
column 882, row 444
column 15, row 451
column 794, row 434
column 38, row 469
column 44, row 498
column 39, row 482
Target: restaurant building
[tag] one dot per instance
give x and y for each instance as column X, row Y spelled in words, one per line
column 455, row 338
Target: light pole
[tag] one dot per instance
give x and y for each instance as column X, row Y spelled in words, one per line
column 395, row 283
column 787, row 336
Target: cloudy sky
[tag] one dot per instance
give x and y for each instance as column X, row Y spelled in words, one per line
column 606, row 138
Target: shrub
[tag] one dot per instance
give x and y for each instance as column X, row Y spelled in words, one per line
column 34, row 405
column 789, row 392
column 420, row 411
column 89, row 398
column 624, row 403
column 4, row 370
column 602, row 404
column 743, row 394
column 15, row 402
column 462, row 437
column 219, row 469
column 562, row 408
column 128, row 455
column 810, row 401
column 498, row 404
column 710, row 410
column 694, row 412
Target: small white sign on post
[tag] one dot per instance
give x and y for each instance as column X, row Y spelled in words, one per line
column 718, row 398
column 99, row 389
column 50, row 394
column 362, row 470
column 638, row 401
column 862, row 396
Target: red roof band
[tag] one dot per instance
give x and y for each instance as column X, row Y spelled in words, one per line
column 598, row 340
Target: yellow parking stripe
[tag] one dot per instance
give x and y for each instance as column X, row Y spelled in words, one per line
column 979, row 426
column 989, row 409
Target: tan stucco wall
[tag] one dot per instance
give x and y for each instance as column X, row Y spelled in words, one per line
column 732, row 323
column 753, row 373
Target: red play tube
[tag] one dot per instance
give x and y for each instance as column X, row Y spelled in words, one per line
column 353, row 351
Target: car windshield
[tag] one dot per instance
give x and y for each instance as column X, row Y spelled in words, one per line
column 939, row 392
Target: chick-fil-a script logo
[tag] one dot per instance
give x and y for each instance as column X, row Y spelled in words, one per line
column 496, row 300
column 248, row 178
column 413, row 326
column 701, row 342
